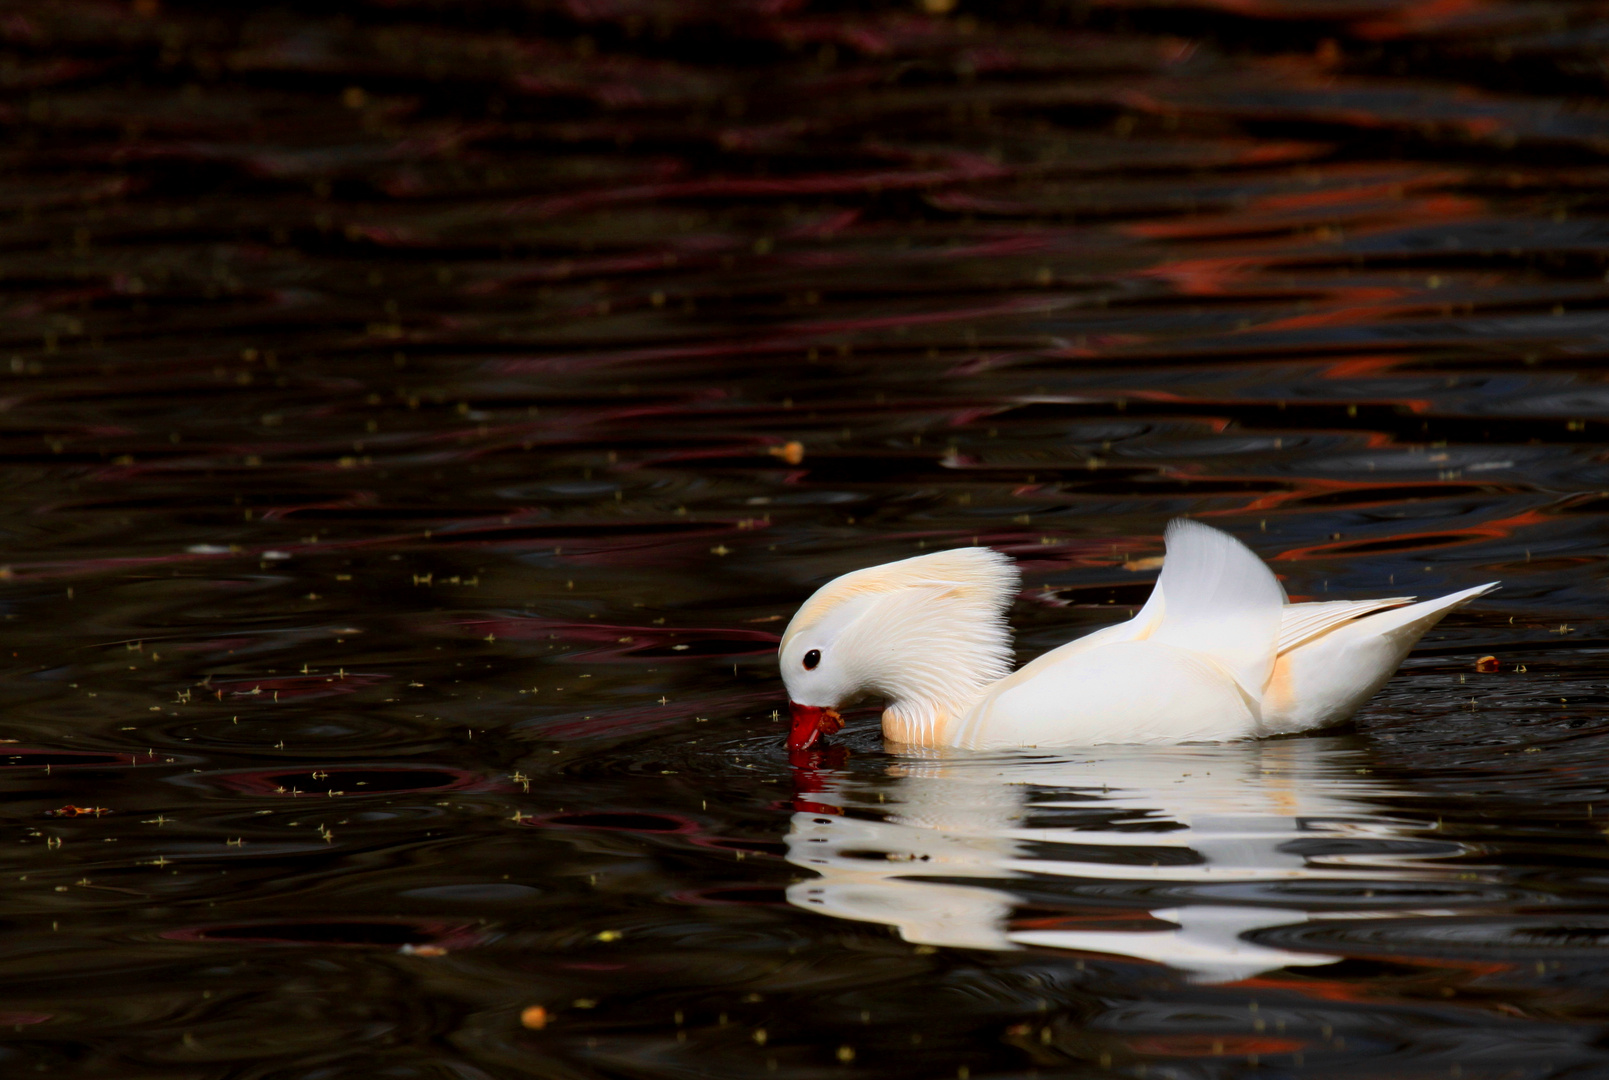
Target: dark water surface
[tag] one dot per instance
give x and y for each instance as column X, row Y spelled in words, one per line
column 420, row 417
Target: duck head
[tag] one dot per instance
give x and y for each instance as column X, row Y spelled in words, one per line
column 927, row 634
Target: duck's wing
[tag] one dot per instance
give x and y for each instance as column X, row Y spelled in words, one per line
column 1222, row 602
column 1196, row 676
column 1301, row 623
column 1214, row 596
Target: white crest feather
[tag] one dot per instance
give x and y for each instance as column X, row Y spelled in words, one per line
column 977, row 574
column 930, row 631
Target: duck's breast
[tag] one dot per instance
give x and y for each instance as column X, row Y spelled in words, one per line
column 1124, row 692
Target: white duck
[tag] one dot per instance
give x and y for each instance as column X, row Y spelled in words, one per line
column 1216, row 653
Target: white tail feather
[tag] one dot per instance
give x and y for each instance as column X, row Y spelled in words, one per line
column 1415, row 619
column 1324, row 679
column 1221, row 601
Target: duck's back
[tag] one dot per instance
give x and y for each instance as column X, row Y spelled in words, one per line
column 1215, row 654
column 1123, row 692
column 1190, row 669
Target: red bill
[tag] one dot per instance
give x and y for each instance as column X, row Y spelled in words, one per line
column 810, row 723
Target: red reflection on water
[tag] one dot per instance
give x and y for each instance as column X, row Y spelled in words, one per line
column 338, row 932
column 616, row 722
column 28, row 757
column 1362, row 493
column 1208, row 1045
column 631, row 821
column 1369, row 990
column 1421, row 17
column 781, row 187
column 815, row 770
column 1499, row 529
column 1109, row 920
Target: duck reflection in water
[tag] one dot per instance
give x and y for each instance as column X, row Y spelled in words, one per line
column 1172, row 855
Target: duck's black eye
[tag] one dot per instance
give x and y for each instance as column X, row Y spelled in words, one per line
column 812, row 658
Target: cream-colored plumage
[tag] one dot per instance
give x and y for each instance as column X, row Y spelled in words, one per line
column 1216, row 653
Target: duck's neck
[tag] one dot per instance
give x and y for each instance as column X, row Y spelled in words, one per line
column 925, row 719
column 931, row 653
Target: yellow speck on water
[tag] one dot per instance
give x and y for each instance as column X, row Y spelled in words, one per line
column 534, row 1017
column 846, row 1054
column 610, row 935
